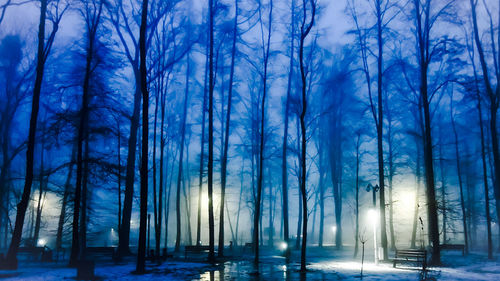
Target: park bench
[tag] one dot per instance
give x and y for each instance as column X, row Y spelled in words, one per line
column 457, row 247
column 411, row 256
column 248, row 246
column 100, row 251
column 197, row 249
column 34, row 252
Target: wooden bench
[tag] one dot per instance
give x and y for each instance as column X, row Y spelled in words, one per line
column 100, row 251
column 248, row 246
column 411, row 256
column 457, row 247
column 34, row 252
column 195, row 249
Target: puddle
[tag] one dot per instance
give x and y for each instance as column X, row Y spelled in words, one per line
column 246, row 270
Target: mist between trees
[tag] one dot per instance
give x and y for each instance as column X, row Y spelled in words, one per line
column 256, row 122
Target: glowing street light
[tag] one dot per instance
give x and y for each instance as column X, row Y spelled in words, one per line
column 334, row 228
column 373, row 217
column 41, row 242
column 283, row 246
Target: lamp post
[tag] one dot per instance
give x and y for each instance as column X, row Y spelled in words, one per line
column 372, row 215
column 374, row 189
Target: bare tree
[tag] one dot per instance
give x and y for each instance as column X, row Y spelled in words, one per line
column 226, row 133
column 141, row 253
column 211, row 254
column 305, row 28
column 265, row 53
column 492, row 91
column 43, row 51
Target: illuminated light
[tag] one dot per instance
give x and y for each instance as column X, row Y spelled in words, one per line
column 407, row 199
column 373, row 215
column 283, row 246
column 334, row 228
column 41, row 242
column 204, row 199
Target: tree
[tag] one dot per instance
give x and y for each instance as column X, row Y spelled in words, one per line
column 459, row 175
column 474, row 88
column 428, row 50
column 382, row 11
column 265, row 53
column 211, row 254
column 125, row 28
column 181, row 156
column 91, row 11
column 13, row 94
column 43, row 51
column 492, row 91
column 284, row 166
column 141, row 253
column 305, row 28
column 226, row 133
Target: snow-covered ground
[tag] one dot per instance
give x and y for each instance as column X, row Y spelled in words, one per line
column 322, row 265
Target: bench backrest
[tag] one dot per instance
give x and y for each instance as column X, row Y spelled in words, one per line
column 452, row 246
column 197, row 248
column 411, row 253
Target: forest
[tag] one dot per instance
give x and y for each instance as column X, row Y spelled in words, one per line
column 250, row 139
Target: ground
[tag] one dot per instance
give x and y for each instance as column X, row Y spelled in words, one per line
column 323, row 264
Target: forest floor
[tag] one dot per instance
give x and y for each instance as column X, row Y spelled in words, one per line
column 323, row 264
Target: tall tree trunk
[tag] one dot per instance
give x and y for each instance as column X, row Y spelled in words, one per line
column 211, row 230
column 162, row 172
column 156, row 213
column 239, row 205
column 92, row 24
column 119, row 177
column 423, row 39
column 41, row 190
column 483, row 162
column 391, row 170
column 321, row 194
column 284, row 166
column 381, row 181
column 202, row 152
column 124, row 237
column 417, row 189
column 443, row 186
column 141, row 253
column 258, row 202
column 11, row 258
column 84, row 203
column 493, row 95
column 304, row 31
column 299, row 197
column 356, row 231
column 226, row 135
column 181, row 156
column 460, row 181
column 62, row 214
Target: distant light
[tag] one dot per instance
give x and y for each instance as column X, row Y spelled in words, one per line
column 41, row 242
column 283, row 246
column 334, row 228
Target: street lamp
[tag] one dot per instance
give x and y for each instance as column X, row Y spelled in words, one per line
column 374, row 189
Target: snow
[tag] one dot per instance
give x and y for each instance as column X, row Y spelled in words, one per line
column 321, row 266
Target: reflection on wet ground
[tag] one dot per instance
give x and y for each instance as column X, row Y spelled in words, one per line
column 267, row 270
